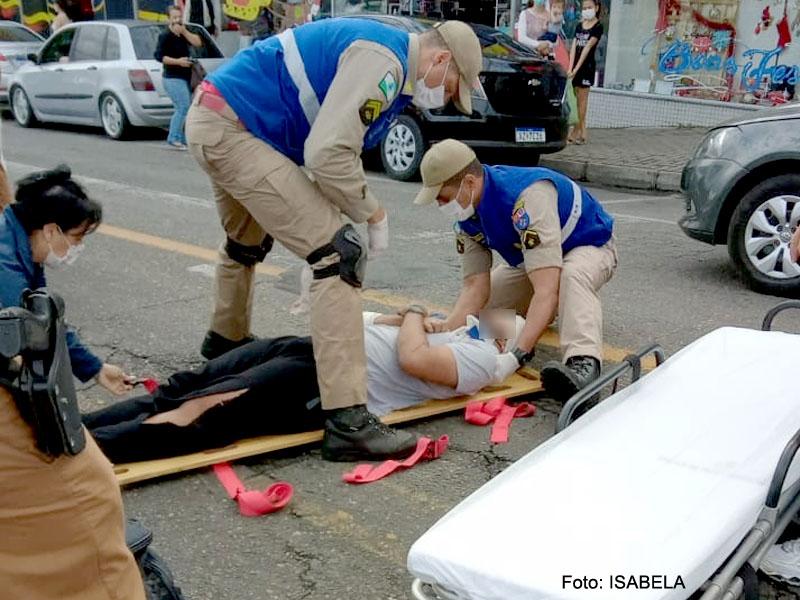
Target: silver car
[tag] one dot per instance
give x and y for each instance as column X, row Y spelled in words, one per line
column 16, row 42
column 101, row 73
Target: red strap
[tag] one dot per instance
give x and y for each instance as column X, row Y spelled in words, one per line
column 500, row 413
column 427, row 449
column 253, row 503
column 150, row 385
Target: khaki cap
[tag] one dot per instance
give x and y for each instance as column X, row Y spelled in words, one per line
column 442, row 162
column 468, row 56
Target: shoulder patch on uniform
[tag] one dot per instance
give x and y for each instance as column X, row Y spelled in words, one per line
column 370, row 111
column 519, row 216
column 388, row 86
column 530, row 239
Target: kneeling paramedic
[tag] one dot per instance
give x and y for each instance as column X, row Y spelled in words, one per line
column 315, row 96
column 557, row 244
column 62, row 534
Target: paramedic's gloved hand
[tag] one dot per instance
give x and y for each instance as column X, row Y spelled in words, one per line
column 114, row 379
column 794, row 246
column 378, row 232
column 433, row 325
column 506, row 365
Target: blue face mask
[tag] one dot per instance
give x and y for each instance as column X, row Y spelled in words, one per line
column 538, row 2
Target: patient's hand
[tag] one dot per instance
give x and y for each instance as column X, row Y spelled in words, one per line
column 433, row 325
column 114, row 379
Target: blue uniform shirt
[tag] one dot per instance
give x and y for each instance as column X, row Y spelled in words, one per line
column 18, row 272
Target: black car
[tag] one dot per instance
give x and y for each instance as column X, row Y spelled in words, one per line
column 523, row 107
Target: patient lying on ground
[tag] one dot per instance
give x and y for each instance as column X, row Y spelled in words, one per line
column 270, row 387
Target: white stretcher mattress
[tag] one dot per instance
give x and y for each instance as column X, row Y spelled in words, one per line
column 664, row 478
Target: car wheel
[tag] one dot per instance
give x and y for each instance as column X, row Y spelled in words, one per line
column 21, row 108
column 759, row 235
column 112, row 114
column 402, row 149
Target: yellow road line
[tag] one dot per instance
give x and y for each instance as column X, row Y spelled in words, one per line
column 550, row 338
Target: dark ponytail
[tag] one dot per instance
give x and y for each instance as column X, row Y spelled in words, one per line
column 54, row 197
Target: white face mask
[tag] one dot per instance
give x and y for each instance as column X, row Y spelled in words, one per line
column 454, row 210
column 428, row 97
column 588, row 14
column 54, row 261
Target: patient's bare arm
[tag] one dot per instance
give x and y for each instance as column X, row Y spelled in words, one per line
column 417, row 358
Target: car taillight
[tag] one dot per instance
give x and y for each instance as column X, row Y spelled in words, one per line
column 533, row 68
column 140, row 80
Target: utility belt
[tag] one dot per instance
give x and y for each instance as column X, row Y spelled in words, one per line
column 36, row 370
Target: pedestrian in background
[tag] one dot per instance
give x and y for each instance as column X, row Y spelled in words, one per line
column 583, row 66
column 62, row 16
column 203, row 12
column 173, row 51
column 532, row 23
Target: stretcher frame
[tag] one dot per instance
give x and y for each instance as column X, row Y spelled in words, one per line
column 523, row 383
column 736, row 578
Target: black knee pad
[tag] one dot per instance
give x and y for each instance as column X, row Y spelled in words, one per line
column 352, row 257
column 248, row 255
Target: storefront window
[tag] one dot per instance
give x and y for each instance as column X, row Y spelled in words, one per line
column 728, row 50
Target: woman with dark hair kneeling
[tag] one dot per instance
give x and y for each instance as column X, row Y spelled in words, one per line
column 46, row 228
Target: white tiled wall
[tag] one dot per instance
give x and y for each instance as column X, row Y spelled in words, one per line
column 612, row 108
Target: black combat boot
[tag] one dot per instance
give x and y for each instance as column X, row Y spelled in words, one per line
column 354, row 433
column 562, row 382
column 215, row 345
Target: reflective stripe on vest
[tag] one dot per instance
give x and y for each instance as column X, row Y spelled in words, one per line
column 297, row 71
column 574, row 214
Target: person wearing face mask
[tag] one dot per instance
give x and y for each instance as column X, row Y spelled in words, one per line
column 582, row 63
column 315, row 97
column 45, row 228
column 557, row 244
column 532, row 23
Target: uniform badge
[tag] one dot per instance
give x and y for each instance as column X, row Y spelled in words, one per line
column 388, row 86
column 370, row 111
column 460, row 239
column 530, row 239
column 520, row 216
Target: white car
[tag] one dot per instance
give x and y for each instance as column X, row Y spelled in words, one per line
column 100, row 73
column 16, row 42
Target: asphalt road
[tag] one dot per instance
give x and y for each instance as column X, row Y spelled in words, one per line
column 143, row 302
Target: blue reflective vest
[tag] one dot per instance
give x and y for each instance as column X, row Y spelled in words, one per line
column 584, row 222
column 276, row 85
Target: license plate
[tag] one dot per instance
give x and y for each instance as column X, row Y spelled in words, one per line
column 529, row 135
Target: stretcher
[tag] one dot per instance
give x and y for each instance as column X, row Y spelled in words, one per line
column 522, row 383
column 672, row 488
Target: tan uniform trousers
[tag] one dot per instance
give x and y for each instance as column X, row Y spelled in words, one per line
column 580, row 314
column 62, row 533
column 259, row 190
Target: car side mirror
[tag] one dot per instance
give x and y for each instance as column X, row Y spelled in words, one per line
column 34, row 58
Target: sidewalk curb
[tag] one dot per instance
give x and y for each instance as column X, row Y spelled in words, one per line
column 633, row 178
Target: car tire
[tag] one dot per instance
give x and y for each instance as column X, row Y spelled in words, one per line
column 759, row 234
column 113, row 117
column 21, row 108
column 402, row 149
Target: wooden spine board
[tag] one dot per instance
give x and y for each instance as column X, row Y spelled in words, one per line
column 523, row 383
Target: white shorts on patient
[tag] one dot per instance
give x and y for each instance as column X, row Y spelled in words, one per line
column 390, row 388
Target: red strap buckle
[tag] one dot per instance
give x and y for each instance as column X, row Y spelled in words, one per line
column 500, row 413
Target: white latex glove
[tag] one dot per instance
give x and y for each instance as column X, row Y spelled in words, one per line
column 378, row 234
column 506, row 365
column 369, row 317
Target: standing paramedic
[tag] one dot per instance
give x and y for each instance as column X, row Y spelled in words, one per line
column 557, row 244
column 315, row 96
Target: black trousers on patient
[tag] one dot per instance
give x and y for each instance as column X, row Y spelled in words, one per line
column 282, row 397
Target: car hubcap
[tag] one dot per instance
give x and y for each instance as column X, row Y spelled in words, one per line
column 21, row 106
column 112, row 116
column 768, row 233
column 400, row 148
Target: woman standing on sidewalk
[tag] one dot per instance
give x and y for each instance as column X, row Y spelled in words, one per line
column 173, row 53
column 582, row 72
